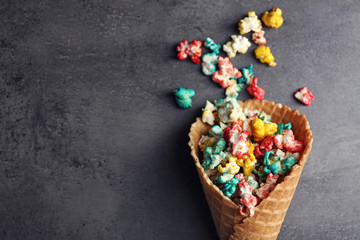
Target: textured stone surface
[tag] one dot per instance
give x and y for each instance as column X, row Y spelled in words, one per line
column 94, row 147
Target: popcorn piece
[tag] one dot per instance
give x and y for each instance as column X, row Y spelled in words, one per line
column 304, row 96
column 208, row 116
column 265, row 117
column 230, row 187
column 230, row 167
column 252, row 179
column 250, row 23
column 273, row 19
column 259, row 38
column 193, row 50
column 261, row 130
column 226, row 73
column 233, row 89
column 237, row 139
column 214, row 155
column 247, row 201
column 248, row 160
column 265, row 56
column 229, row 110
column 215, row 131
column 247, row 75
column 282, row 126
column 254, row 90
column 223, row 178
column 290, row 143
column 206, row 141
column 209, row 63
column 239, row 44
column 215, row 48
column 287, row 140
column 266, row 188
column 183, row 97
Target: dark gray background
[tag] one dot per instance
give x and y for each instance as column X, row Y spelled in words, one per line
column 94, row 147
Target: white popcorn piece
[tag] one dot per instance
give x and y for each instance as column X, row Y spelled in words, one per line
column 239, row 44
column 208, row 116
column 250, row 23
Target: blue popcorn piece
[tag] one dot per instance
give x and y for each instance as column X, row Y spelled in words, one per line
column 282, row 127
column 215, row 48
column 230, row 187
column 183, row 97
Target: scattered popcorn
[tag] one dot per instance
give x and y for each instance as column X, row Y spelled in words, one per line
column 265, row 56
column 273, row 19
column 233, row 89
column 254, row 90
column 258, row 38
column 209, row 63
column 250, row 23
column 226, row 73
column 215, row 48
column 183, row 97
column 304, row 96
column 193, row 50
column 239, row 44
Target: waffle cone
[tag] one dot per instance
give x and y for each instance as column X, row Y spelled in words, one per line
column 270, row 213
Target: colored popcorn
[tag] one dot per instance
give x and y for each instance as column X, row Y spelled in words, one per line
column 250, row 23
column 208, row 116
column 245, row 153
column 265, row 56
column 254, row 90
column 239, row 44
column 215, row 48
column 209, row 63
column 258, row 38
column 193, row 50
column 183, row 97
column 305, row 96
column 226, row 73
column 273, row 19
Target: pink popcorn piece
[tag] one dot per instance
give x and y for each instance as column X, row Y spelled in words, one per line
column 226, row 73
column 305, row 96
column 287, row 141
column 258, row 38
column 193, row 50
column 247, row 201
column 237, row 139
column 265, row 188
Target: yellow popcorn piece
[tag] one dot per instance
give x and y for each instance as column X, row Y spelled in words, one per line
column 265, row 56
column 261, row 130
column 273, row 19
column 230, row 167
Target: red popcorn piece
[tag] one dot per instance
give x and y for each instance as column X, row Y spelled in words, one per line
column 265, row 188
column 304, row 96
column 240, row 148
column 193, row 50
column 258, row 38
column 247, row 201
column 257, row 152
column 279, row 141
column 226, row 73
column 254, row 90
column 237, row 139
column 267, row 143
column 290, row 143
